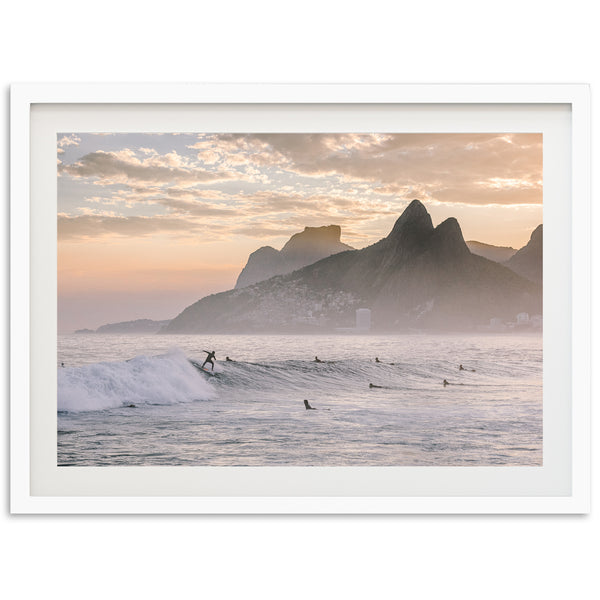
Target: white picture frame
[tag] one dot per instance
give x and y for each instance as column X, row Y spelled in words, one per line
column 38, row 486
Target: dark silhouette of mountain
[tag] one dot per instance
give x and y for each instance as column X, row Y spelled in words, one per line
column 137, row 326
column 418, row 276
column 313, row 244
column 262, row 264
column 496, row 253
column 302, row 249
column 528, row 261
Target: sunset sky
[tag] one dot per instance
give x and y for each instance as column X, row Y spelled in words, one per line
column 149, row 223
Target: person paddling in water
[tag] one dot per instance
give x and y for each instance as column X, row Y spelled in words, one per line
column 209, row 359
column 317, row 359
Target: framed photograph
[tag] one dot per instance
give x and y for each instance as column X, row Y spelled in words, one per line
column 300, row 299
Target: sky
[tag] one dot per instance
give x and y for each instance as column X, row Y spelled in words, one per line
column 150, row 223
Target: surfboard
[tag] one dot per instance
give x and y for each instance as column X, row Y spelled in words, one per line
column 201, row 368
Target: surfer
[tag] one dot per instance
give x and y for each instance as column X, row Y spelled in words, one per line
column 317, row 359
column 446, row 382
column 378, row 361
column 227, row 359
column 461, row 368
column 308, row 406
column 372, row 385
column 209, row 359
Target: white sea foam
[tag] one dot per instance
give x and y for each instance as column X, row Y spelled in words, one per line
column 164, row 379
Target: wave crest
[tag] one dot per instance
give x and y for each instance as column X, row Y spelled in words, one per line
column 164, row 379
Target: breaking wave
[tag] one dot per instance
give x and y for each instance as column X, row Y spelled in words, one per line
column 163, row 379
column 176, row 378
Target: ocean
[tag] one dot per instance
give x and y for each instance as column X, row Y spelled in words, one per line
column 139, row 400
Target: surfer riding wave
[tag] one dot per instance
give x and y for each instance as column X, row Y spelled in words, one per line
column 209, row 359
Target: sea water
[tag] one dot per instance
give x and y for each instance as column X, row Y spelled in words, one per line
column 139, row 400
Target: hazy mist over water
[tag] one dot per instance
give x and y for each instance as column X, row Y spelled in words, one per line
column 251, row 411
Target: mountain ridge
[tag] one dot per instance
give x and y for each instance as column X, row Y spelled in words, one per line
column 417, row 276
column 528, row 261
column 135, row 326
column 302, row 249
column 498, row 254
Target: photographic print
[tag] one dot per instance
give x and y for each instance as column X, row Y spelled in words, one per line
column 294, row 299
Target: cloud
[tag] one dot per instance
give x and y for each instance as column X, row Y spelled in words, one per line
column 125, row 167
column 94, row 226
column 259, row 230
column 196, row 208
column 264, row 185
column 176, row 199
column 433, row 164
column 232, row 150
column 271, row 207
column 275, row 203
column 90, row 210
column 68, row 140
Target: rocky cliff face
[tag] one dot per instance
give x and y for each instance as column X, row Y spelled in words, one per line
column 302, row 249
column 528, row 261
column 264, row 263
column 417, row 276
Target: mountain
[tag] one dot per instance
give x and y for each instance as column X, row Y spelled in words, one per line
column 528, row 261
column 418, row 276
column 496, row 253
column 305, row 248
column 262, row 264
column 137, row 326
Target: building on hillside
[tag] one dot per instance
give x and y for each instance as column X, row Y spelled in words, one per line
column 497, row 324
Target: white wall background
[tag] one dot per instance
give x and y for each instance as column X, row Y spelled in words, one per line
column 412, row 557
